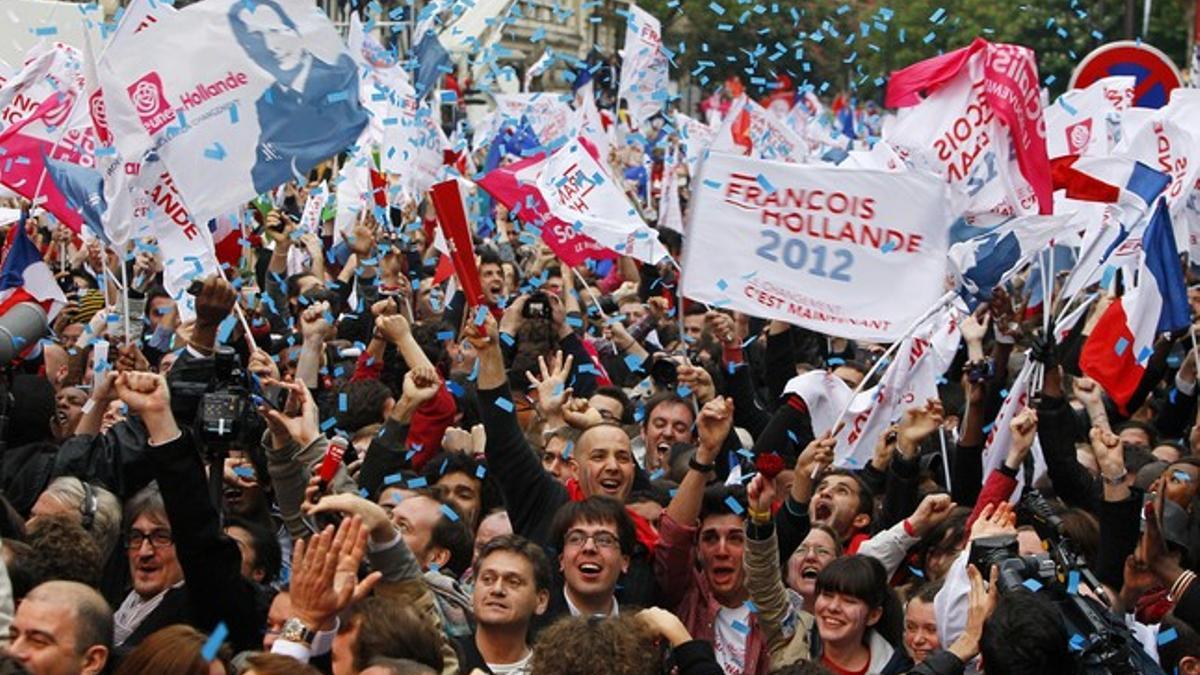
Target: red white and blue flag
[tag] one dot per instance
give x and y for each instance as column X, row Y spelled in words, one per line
column 1120, row 345
column 25, row 277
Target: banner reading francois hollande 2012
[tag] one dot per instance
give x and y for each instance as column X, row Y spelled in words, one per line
column 859, row 254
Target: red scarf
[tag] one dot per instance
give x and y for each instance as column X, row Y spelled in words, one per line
column 643, row 530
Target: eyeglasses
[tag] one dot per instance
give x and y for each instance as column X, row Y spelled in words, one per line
column 157, row 539
column 804, row 550
column 578, row 538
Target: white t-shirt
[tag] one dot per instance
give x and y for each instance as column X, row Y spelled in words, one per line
column 732, row 632
column 522, row 667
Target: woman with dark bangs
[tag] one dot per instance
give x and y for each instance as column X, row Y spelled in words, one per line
column 858, row 619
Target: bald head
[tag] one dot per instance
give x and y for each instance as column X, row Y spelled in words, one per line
column 93, row 617
column 605, row 462
column 62, row 628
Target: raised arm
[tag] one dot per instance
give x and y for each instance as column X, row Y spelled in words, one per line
column 211, row 561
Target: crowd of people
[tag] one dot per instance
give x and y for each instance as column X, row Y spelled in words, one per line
column 340, row 466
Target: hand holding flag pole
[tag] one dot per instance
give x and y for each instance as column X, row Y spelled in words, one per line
column 886, row 356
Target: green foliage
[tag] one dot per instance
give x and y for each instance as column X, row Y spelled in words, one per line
column 836, row 46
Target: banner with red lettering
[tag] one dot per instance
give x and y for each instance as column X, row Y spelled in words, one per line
column 644, row 67
column 859, row 254
column 524, row 200
column 39, row 123
column 909, row 381
column 1077, row 123
column 979, row 125
column 579, row 191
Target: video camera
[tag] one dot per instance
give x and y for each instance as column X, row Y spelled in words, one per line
column 216, row 394
column 1101, row 642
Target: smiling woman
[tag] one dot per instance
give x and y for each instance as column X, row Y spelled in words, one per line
column 858, row 618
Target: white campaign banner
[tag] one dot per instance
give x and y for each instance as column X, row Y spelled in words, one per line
column 644, row 68
column 910, row 380
column 580, row 192
column 858, row 254
column 1077, row 123
column 751, row 129
column 999, row 434
column 956, row 134
column 238, row 98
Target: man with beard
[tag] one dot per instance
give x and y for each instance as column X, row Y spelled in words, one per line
column 512, row 586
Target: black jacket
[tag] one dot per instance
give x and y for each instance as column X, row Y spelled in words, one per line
column 532, row 496
column 214, row 587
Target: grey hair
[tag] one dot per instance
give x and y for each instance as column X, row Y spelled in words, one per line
column 147, row 501
column 106, row 523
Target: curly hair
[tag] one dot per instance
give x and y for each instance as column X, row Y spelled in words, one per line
column 577, row 645
column 63, row 550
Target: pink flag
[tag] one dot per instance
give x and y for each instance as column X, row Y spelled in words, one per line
column 525, row 201
column 1011, row 89
column 39, row 107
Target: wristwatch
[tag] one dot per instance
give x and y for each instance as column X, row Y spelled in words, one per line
column 294, row 630
column 1114, row 480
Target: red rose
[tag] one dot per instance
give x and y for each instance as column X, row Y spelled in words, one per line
column 769, row 465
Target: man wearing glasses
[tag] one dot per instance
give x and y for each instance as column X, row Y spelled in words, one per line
column 595, row 538
column 154, row 569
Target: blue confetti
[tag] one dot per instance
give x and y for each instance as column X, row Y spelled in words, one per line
column 214, row 642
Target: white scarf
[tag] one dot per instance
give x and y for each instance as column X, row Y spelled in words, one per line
column 133, row 611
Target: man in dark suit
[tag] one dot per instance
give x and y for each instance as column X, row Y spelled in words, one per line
column 312, row 110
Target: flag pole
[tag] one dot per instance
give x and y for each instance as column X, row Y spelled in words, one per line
column 946, row 299
column 945, row 457
column 595, row 302
column 942, row 302
column 125, row 299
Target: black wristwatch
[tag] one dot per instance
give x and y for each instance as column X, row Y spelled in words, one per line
column 702, row 468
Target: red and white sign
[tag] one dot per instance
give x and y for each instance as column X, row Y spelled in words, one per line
column 579, row 191
column 1155, row 71
column 813, row 244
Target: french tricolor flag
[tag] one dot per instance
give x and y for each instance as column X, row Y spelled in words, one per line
column 25, row 277
column 1120, row 345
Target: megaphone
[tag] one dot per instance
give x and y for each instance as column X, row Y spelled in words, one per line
column 21, row 326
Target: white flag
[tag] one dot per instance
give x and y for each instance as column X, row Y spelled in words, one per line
column 238, row 98
column 644, row 67
column 911, row 379
column 749, row 129
column 999, row 438
column 813, row 245
column 580, row 192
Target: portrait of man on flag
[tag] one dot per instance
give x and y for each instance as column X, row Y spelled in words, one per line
column 298, row 107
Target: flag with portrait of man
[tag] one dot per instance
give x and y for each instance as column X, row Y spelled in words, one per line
column 240, row 97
